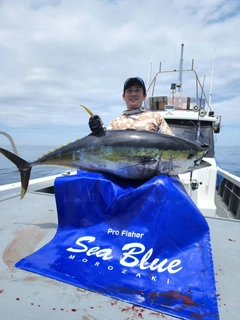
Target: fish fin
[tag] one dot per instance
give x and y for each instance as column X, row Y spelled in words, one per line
column 202, row 145
column 22, row 165
column 147, row 160
column 88, row 111
column 199, row 164
column 190, row 154
column 202, row 164
column 25, row 176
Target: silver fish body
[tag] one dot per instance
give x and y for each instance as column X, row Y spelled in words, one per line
column 127, row 154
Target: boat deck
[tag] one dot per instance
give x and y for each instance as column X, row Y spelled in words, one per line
column 30, row 223
column 222, row 208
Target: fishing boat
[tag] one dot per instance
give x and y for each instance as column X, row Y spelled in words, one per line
column 192, row 117
column 29, row 224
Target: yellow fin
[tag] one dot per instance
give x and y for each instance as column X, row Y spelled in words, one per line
column 88, row 111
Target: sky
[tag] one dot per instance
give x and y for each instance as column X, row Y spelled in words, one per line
column 56, row 55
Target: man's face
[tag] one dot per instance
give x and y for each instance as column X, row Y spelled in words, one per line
column 134, row 97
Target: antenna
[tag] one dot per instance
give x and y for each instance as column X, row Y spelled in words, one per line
column 202, row 91
column 180, row 67
column 211, row 88
column 149, row 74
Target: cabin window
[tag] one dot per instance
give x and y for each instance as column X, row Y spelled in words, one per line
column 179, row 103
column 194, row 130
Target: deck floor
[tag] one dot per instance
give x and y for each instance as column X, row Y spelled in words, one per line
column 222, row 209
column 28, row 224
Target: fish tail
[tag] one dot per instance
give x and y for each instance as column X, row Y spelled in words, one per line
column 23, row 166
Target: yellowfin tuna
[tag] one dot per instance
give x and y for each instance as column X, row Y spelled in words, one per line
column 127, row 154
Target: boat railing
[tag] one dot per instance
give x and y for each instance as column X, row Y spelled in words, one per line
column 11, row 141
column 228, row 188
column 200, row 97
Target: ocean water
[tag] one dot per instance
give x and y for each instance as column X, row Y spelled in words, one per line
column 228, row 158
column 9, row 172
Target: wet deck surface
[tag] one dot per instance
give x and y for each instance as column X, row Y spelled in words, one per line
column 222, row 209
column 28, row 224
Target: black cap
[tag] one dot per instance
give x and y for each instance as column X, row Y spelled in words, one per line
column 133, row 81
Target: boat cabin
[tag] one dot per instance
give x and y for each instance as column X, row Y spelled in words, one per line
column 190, row 116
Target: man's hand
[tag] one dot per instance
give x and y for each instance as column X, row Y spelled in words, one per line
column 96, row 125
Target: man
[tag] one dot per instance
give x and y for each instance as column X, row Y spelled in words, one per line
column 135, row 117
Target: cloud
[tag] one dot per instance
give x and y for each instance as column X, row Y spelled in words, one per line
column 56, row 55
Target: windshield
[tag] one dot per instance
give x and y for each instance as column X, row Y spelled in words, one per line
column 194, row 130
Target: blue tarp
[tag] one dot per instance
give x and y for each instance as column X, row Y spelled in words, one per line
column 142, row 242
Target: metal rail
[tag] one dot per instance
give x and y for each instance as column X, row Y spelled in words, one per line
column 11, row 141
column 229, row 190
column 153, row 82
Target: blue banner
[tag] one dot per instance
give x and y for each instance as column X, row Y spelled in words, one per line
column 142, row 242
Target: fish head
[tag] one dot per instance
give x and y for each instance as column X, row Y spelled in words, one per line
column 199, row 164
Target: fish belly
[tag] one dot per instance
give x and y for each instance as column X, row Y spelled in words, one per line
column 130, row 163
